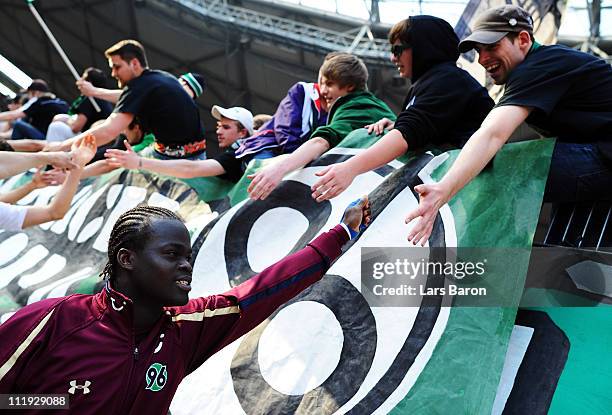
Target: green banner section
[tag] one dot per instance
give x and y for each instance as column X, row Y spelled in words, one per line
column 500, row 208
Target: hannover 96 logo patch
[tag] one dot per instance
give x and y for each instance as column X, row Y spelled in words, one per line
column 156, row 377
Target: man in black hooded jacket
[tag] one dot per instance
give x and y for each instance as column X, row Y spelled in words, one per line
column 444, row 105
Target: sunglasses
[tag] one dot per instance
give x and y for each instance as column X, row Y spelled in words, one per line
column 397, row 50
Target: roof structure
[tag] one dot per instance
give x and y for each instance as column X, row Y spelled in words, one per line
column 249, row 58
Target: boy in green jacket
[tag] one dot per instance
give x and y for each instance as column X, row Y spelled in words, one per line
column 343, row 79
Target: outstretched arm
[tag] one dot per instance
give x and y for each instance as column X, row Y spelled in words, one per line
column 230, row 315
column 269, row 177
column 16, row 195
column 87, row 89
column 478, row 151
column 104, row 133
column 82, row 152
column 178, row 168
column 337, row 177
column 11, row 115
column 27, row 144
column 13, row 163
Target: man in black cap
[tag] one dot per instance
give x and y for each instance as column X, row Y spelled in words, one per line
column 38, row 112
column 557, row 90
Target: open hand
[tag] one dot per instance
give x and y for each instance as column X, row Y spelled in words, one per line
column 380, row 126
column 60, row 159
column 38, row 181
column 264, row 181
column 123, row 158
column 54, row 177
column 431, row 198
column 84, row 149
column 334, row 180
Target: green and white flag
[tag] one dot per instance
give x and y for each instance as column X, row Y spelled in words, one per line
column 328, row 350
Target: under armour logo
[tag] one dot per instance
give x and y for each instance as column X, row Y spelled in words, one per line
column 74, row 387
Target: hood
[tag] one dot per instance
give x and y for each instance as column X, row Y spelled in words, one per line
column 47, row 95
column 433, row 42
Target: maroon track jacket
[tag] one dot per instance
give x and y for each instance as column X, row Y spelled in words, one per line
column 84, row 346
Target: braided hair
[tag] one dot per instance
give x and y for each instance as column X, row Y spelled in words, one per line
column 131, row 231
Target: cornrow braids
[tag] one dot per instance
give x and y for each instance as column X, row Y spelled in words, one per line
column 131, row 231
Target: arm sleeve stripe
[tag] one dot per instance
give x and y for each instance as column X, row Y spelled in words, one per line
column 8, row 365
column 207, row 313
column 260, row 296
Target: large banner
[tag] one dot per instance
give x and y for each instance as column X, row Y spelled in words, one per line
column 328, row 350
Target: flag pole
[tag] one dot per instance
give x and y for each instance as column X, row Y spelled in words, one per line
column 59, row 49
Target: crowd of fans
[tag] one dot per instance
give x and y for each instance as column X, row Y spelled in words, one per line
column 151, row 122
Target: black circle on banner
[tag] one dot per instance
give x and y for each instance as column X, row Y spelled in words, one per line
column 358, row 350
column 290, row 194
column 253, row 392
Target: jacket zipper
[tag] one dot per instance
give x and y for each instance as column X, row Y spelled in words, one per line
column 135, row 356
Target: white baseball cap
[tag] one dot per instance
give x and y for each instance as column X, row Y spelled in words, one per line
column 239, row 114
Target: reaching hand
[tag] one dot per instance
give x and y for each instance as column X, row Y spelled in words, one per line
column 380, row 126
column 84, row 149
column 334, row 180
column 357, row 216
column 54, row 177
column 38, row 182
column 59, row 159
column 85, row 87
column 431, row 198
column 264, row 181
column 123, row 158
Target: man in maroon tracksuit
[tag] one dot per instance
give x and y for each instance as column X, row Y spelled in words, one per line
column 126, row 349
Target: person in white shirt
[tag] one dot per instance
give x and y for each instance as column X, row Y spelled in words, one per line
column 15, row 218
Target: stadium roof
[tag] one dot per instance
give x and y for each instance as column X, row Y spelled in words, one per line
column 250, row 51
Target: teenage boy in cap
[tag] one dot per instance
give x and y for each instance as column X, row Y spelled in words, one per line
column 557, row 90
column 156, row 98
column 38, row 112
column 343, row 85
column 233, row 125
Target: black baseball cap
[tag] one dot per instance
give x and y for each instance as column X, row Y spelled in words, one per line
column 494, row 24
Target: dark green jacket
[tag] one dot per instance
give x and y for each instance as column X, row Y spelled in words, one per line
column 350, row 112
